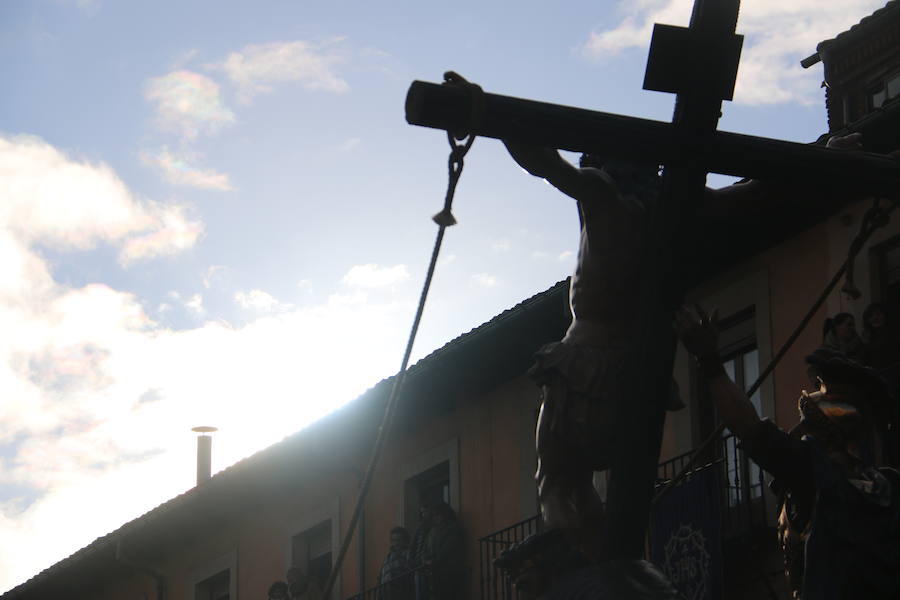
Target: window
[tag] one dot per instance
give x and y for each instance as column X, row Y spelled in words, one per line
column 311, row 552
column 216, row 587
column 430, row 478
column 428, row 488
column 311, row 542
column 883, row 91
column 216, row 579
column 744, row 476
column 740, row 356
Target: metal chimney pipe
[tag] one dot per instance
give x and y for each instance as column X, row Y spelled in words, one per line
column 204, row 453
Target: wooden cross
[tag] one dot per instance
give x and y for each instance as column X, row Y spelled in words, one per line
column 699, row 64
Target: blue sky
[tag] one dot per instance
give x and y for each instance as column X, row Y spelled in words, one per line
column 215, row 213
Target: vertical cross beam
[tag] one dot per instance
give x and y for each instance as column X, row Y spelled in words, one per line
column 699, row 64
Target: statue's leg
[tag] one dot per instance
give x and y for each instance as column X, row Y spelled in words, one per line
column 557, row 460
column 589, row 507
column 569, row 501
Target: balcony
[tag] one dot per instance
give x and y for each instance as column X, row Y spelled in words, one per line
column 399, row 588
column 494, row 585
column 742, row 499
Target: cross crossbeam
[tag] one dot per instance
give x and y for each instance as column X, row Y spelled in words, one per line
column 447, row 107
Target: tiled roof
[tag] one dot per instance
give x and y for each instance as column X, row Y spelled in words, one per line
column 851, row 34
column 861, row 27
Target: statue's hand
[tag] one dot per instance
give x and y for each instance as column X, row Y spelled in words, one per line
column 852, row 141
column 698, row 331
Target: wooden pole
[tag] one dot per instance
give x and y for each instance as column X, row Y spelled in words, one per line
column 629, row 138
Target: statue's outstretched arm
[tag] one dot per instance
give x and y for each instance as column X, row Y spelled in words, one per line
column 546, row 163
column 756, row 196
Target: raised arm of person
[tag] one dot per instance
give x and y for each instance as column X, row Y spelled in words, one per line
column 699, row 336
column 583, row 184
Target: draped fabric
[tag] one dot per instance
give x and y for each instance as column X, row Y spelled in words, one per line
column 686, row 535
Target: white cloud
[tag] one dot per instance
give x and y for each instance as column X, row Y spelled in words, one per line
column 371, row 275
column 260, row 301
column 501, row 245
column 195, row 304
column 565, row 255
column 175, row 233
column 213, row 273
column 100, row 398
column 258, row 67
column 778, row 35
column 188, row 103
column 178, row 170
column 306, row 285
column 51, row 198
column 484, row 280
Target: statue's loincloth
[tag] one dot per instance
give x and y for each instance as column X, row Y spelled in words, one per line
column 582, row 387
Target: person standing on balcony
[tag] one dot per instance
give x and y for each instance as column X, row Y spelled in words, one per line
column 880, row 338
column 419, row 553
column 303, row 587
column 839, row 333
column 394, row 579
column 446, row 548
column 278, row 591
column 841, row 516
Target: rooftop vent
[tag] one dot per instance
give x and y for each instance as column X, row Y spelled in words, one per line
column 204, row 453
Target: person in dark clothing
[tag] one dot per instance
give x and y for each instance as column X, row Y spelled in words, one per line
column 302, row 586
column 446, row 554
column 882, row 353
column 880, row 338
column 882, row 344
column 418, row 553
column 394, row 579
column 840, row 509
column 839, row 334
column 278, row 591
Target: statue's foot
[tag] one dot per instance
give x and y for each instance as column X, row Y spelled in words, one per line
column 536, row 562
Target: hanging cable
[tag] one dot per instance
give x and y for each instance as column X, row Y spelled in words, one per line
column 875, row 218
column 443, row 219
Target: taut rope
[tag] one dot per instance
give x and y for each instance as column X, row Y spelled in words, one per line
column 443, row 219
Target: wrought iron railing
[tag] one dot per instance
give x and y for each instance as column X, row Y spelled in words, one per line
column 744, row 505
column 409, row 586
column 494, row 584
column 743, row 510
column 743, row 485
